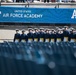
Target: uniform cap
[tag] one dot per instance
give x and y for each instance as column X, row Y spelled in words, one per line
column 72, row 28
column 41, row 28
column 65, row 26
column 17, row 29
column 47, row 29
column 57, row 28
column 35, row 28
column 23, row 30
column 62, row 28
column 52, row 29
column 30, row 28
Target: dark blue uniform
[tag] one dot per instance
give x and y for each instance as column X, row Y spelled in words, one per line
column 65, row 36
column 59, row 37
column 52, row 37
column 75, row 37
column 23, row 38
column 17, row 37
column 36, row 37
column 30, row 37
column 72, row 37
column 41, row 36
column 47, row 37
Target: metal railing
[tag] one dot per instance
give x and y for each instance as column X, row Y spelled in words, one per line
column 38, row 4
column 7, row 40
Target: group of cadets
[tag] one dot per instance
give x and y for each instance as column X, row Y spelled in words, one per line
column 46, row 35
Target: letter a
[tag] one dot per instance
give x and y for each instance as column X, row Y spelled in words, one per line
column 74, row 14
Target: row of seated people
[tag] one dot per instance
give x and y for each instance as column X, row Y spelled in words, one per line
column 48, row 35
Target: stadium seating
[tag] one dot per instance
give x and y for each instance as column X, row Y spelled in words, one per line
column 37, row 58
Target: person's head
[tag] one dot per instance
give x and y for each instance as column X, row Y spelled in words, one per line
column 47, row 30
column 17, row 30
column 41, row 29
column 36, row 29
column 65, row 28
column 60, row 31
column 72, row 30
column 30, row 30
column 57, row 30
column 23, row 31
column 52, row 31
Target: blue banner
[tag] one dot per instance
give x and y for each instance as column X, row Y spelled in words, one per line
column 37, row 15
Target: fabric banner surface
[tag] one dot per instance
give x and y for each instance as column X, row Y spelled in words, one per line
column 37, row 15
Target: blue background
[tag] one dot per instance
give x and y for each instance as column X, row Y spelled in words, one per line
column 50, row 15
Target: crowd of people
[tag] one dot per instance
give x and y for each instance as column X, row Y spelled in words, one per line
column 46, row 35
column 38, row 1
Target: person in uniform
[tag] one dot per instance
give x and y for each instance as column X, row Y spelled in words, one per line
column 72, row 36
column 41, row 35
column 30, row 35
column 59, row 36
column 36, row 35
column 52, row 36
column 23, row 37
column 17, row 36
column 47, row 35
column 75, row 34
column 65, row 34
